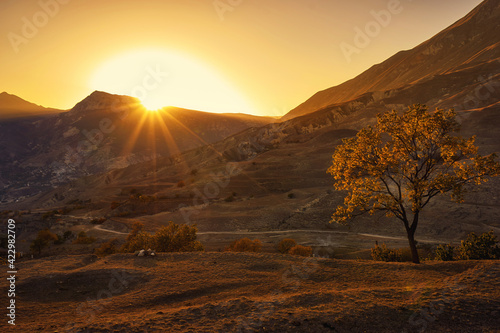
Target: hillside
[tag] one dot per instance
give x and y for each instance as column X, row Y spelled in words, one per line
column 12, row 107
column 235, row 292
column 469, row 46
column 102, row 132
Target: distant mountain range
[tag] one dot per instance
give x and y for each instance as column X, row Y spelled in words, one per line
column 100, row 133
column 12, row 106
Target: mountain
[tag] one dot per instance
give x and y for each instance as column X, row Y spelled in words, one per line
column 469, row 46
column 100, row 133
column 12, row 106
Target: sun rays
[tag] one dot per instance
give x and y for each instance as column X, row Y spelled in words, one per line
column 162, row 131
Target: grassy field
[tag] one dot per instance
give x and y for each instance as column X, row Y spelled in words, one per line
column 244, row 292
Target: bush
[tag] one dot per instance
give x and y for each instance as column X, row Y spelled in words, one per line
column 177, row 238
column 60, row 240
column 141, row 241
column 383, row 253
column 49, row 214
column 229, row 199
column 286, row 244
column 83, row 239
column 137, row 239
column 181, row 183
column 67, row 235
column 42, row 240
column 106, row 248
column 172, row 238
column 479, row 247
column 291, row 195
column 299, row 250
column 444, row 252
column 98, row 220
column 245, row 245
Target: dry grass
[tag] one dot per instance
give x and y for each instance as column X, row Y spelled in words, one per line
column 254, row 292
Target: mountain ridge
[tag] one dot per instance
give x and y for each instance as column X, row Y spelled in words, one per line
column 13, row 106
column 471, row 40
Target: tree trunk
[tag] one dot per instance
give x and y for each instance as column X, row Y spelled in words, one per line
column 410, row 231
column 413, row 247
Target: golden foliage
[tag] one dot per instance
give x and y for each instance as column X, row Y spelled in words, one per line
column 299, row 250
column 286, row 244
column 404, row 161
column 171, row 238
column 245, row 245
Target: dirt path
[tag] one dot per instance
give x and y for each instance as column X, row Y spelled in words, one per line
column 277, row 232
column 100, row 228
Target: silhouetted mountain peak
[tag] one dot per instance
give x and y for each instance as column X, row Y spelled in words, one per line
column 100, row 100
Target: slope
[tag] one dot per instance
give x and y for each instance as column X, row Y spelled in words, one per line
column 472, row 41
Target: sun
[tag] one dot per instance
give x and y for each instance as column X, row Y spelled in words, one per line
column 152, row 104
column 161, row 78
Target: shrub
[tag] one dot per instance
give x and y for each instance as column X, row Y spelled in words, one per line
column 106, row 248
column 444, row 252
column 48, row 214
column 245, row 245
column 67, row 235
column 286, row 244
column 479, row 247
column 177, row 238
column 143, row 240
column 299, row 250
column 229, row 199
column 291, row 195
column 147, row 198
column 172, row 238
column 124, row 213
column 137, row 239
column 82, row 238
column 60, row 240
column 42, row 240
column 181, row 183
column 98, row 220
column 383, row 253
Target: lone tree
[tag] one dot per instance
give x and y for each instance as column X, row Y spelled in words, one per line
column 404, row 161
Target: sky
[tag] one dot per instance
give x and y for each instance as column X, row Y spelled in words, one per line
column 262, row 57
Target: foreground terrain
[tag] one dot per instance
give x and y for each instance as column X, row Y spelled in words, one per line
column 243, row 292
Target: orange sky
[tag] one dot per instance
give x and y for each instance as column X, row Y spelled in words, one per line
column 258, row 56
